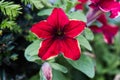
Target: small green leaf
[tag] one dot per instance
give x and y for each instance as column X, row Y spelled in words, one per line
column 117, row 42
column 59, row 67
column 85, row 64
column 35, row 77
column 88, row 34
column 44, row 12
column 46, row 3
column 42, row 77
column 10, row 9
column 78, row 15
column 38, row 4
column 84, row 42
column 31, row 52
column 58, row 3
column 69, row 6
column 14, row 57
column 57, row 75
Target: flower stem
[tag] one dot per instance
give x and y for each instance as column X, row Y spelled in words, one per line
column 92, row 15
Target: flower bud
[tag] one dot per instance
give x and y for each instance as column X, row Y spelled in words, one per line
column 47, row 71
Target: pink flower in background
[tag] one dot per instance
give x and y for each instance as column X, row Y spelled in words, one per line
column 58, row 34
column 108, row 30
column 112, row 6
column 99, row 7
column 80, row 5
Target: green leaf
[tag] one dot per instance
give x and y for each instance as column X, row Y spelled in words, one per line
column 37, row 4
column 42, row 77
column 31, row 37
column 85, row 64
column 84, row 42
column 117, row 42
column 44, row 12
column 35, row 77
column 77, row 15
column 57, row 75
column 88, row 34
column 10, row 24
column 59, row 67
column 47, row 3
column 34, row 3
column 58, row 3
column 7, row 24
column 31, row 52
column 10, row 9
column 14, row 57
column 69, row 6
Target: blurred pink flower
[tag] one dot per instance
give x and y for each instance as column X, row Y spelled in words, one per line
column 99, row 7
column 80, row 5
column 108, row 30
column 112, row 6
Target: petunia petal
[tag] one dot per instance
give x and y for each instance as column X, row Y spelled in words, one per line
column 106, row 5
column 58, row 18
column 108, row 38
column 109, row 28
column 70, row 48
column 109, row 31
column 42, row 29
column 49, row 48
column 102, row 19
column 95, row 29
column 74, row 28
column 79, row 6
column 115, row 13
column 82, row 1
column 94, row 1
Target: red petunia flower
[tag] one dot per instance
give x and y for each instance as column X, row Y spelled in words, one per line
column 108, row 30
column 80, row 4
column 58, row 34
column 112, row 6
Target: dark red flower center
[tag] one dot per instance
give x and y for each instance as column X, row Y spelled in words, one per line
column 118, row 0
column 58, row 33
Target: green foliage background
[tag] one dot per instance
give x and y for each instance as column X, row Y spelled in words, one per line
column 17, row 17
